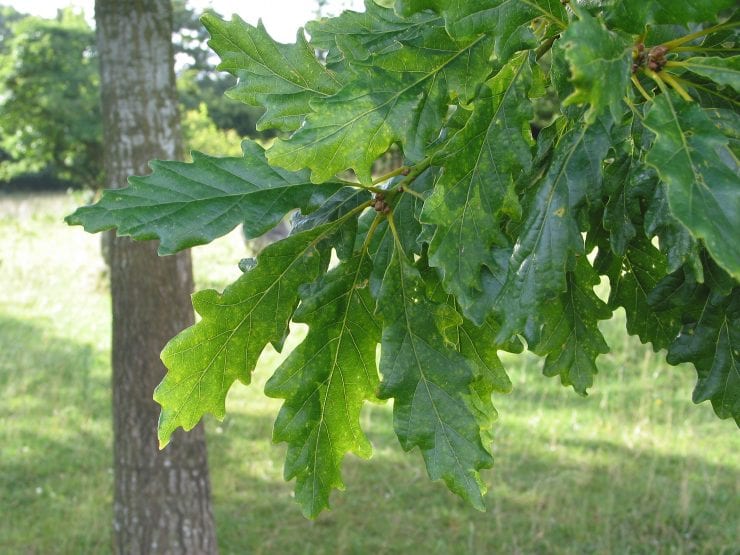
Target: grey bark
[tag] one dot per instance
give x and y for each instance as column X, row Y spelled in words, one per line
column 161, row 498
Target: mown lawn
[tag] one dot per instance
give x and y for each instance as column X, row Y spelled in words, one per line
column 634, row 468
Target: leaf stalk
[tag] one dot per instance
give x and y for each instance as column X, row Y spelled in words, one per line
column 641, row 89
column 391, row 174
column 668, row 78
column 371, row 232
column 703, row 49
column 545, row 47
column 671, row 44
column 686, row 83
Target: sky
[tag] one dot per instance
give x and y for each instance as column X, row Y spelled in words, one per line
column 281, row 17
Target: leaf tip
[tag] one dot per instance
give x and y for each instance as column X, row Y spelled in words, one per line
column 163, row 439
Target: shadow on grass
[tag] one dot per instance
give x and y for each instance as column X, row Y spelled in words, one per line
column 45, row 369
column 562, row 493
column 587, row 495
column 55, row 441
column 633, row 382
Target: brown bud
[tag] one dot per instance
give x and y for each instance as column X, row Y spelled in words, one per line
column 658, row 52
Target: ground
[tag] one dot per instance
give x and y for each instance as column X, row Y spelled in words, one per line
column 633, row 468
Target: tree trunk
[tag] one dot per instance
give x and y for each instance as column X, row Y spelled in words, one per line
column 161, row 499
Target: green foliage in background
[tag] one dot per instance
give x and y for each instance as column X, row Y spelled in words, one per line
column 201, row 134
column 486, row 239
column 198, row 83
column 49, row 99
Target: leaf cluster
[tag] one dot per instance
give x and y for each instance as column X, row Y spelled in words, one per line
column 492, row 235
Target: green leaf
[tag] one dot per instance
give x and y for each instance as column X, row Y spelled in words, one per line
column 405, row 214
column 679, row 291
column 461, row 65
column 632, row 279
column 569, row 334
column 430, row 383
column 723, row 71
column 728, row 123
column 340, row 203
column 282, row 78
column 674, row 240
column 351, row 129
column 204, row 360
column 506, row 20
column 355, row 36
column 187, row 204
column 550, row 234
column 476, row 343
column 476, row 188
column 712, row 344
column 630, row 185
column 634, row 15
column 600, row 66
column 702, row 182
column 325, row 381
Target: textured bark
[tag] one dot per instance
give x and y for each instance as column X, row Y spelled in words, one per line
column 161, row 499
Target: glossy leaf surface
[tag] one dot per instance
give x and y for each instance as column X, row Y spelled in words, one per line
column 187, row 204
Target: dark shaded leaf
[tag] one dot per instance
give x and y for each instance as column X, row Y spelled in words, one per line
column 712, row 344
column 550, row 235
column 634, row 15
column 476, row 187
column 569, row 336
column 702, row 184
column 430, row 383
column 187, row 204
column 633, row 278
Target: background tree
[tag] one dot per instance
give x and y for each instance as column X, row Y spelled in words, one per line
column 50, row 103
column 161, row 499
column 199, row 82
column 8, row 16
column 50, row 133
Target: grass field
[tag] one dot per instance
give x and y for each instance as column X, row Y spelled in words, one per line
column 634, row 468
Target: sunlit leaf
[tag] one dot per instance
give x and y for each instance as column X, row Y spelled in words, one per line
column 325, row 381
